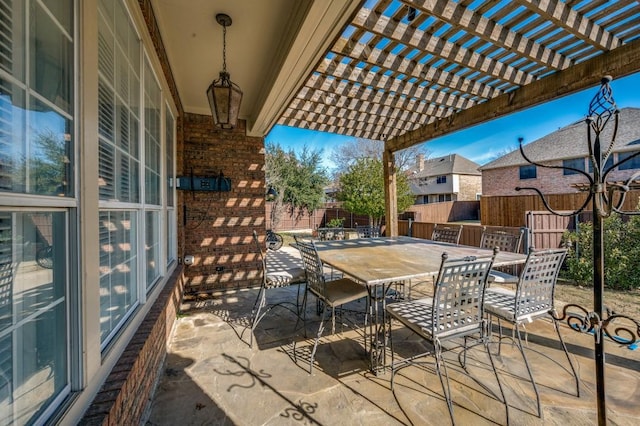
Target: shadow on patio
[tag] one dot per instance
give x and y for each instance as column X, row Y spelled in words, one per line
column 212, row 376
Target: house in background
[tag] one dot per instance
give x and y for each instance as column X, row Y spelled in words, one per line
column 449, row 178
column 564, row 147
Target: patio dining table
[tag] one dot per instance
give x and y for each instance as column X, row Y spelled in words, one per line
column 380, row 262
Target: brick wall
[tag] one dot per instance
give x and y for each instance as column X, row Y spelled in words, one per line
column 219, row 225
column 469, row 187
column 503, row 181
column 126, row 394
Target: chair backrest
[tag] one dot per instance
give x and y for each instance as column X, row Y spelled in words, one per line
column 367, row 231
column 313, row 267
column 536, row 285
column 447, row 233
column 505, row 241
column 458, row 297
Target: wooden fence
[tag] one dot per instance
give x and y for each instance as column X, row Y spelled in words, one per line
column 512, row 210
column 448, row 211
column 510, row 213
column 471, row 233
column 546, row 230
column 299, row 220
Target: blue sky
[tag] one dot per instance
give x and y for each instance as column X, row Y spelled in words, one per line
column 484, row 142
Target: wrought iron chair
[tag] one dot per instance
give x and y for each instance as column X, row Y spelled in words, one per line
column 332, row 294
column 447, row 233
column 505, row 241
column 367, row 231
column 272, row 280
column 455, row 311
column 532, row 300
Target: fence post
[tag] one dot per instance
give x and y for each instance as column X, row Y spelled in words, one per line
column 526, row 237
column 530, row 238
column 410, row 231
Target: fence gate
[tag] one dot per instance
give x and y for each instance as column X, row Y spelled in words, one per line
column 545, row 229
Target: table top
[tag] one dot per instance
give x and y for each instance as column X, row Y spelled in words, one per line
column 385, row 259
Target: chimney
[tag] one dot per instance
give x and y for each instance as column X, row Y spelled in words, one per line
column 420, row 162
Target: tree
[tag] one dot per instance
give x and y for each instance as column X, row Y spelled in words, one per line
column 298, row 180
column 345, row 155
column 362, row 190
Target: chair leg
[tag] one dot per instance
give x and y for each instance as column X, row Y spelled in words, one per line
column 315, row 344
column 463, row 364
column 260, row 302
column 333, row 320
column 495, row 372
column 564, row 347
column 301, row 309
column 393, row 370
column 440, row 364
column 499, row 337
column 526, row 363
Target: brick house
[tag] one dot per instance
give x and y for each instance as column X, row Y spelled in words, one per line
column 564, row 147
column 448, row 178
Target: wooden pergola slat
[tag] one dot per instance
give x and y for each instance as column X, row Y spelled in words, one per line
column 490, row 30
column 563, row 16
column 619, row 62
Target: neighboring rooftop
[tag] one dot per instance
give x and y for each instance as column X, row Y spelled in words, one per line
column 569, row 142
column 446, row 165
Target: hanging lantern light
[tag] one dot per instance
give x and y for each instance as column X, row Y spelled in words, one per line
column 224, row 95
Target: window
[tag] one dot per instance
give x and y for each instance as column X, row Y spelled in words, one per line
column 152, row 170
column 118, row 106
column 40, row 302
column 634, row 163
column 607, row 164
column 119, row 103
column 36, row 109
column 528, row 172
column 441, row 179
column 33, row 312
column 136, row 156
column 118, row 269
column 152, row 142
column 170, row 187
column 37, row 121
column 574, row 163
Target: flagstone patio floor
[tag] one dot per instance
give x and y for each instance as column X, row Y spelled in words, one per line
column 213, row 377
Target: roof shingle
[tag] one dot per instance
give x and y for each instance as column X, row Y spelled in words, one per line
column 571, row 142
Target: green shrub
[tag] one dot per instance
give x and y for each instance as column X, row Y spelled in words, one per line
column 335, row 223
column 621, row 247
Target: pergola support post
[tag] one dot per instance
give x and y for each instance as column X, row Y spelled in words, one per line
column 390, row 193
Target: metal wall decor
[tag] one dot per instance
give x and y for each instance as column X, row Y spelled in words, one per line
column 606, row 198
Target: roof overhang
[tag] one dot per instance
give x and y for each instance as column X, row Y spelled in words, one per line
column 363, row 69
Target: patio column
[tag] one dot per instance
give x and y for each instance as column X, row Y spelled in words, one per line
column 390, row 193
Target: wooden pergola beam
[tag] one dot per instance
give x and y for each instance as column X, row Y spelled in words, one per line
column 618, row 63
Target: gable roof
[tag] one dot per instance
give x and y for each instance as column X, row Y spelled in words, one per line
column 570, row 142
column 446, row 165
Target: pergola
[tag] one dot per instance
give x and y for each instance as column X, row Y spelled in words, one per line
column 405, row 72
